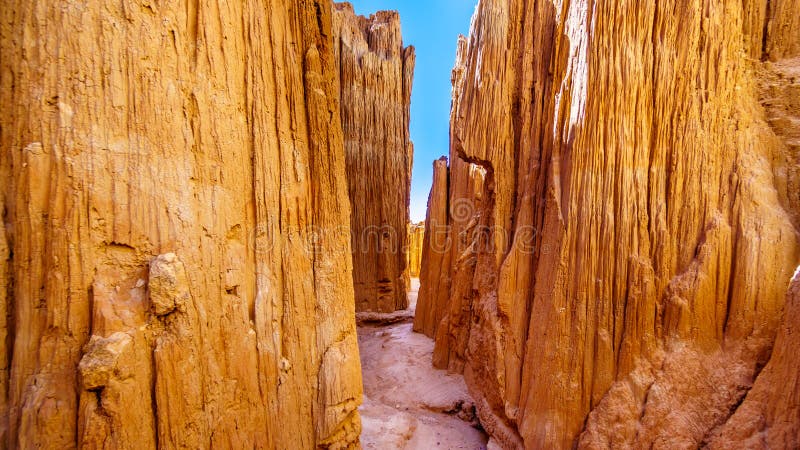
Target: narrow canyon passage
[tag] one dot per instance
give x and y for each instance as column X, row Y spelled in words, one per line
column 214, row 230
column 407, row 403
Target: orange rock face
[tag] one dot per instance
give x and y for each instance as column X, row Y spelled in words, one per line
column 376, row 74
column 416, row 235
column 175, row 246
column 435, row 258
column 627, row 254
column 454, row 228
column 768, row 417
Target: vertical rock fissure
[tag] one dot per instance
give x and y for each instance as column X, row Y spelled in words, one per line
column 765, row 32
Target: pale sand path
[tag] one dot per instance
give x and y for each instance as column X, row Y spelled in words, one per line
column 407, row 403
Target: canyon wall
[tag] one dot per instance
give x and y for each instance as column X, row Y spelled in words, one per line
column 416, row 234
column 452, row 233
column 376, row 74
column 175, row 249
column 768, row 416
column 434, row 260
column 625, row 260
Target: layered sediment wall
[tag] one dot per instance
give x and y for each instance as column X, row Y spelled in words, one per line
column 628, row 253
column 175, row 246
column 375, row 77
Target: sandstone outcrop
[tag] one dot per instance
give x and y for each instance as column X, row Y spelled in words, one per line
column 416, row 234
column 175, row 249
column 779, row 91
column 376, row 74
column 454, row 229
column 627, row 254
column 434, row 264
column 769, row 415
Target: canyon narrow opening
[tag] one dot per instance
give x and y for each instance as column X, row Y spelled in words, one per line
column 264, row 224
column 395, row 109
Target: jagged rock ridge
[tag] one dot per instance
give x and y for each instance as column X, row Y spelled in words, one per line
column 376, row 74
column 175, row 246
column 628, row 254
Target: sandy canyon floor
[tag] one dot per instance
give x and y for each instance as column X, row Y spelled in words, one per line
column 407, row 403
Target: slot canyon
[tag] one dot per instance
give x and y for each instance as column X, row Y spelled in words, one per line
column 213, row 231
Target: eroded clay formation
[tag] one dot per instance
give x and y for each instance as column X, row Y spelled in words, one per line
column 175, row 249
column 606, row 258
column 619, row 276
column 376, row 74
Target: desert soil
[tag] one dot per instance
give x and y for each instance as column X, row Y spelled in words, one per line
column 407, row 403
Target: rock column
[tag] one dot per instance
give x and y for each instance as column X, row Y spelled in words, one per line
column 376, row 74
column 174, row 254
column 637, row 231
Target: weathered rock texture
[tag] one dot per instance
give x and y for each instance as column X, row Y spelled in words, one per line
column 434, row 266
column 779, row 84
column 175, row 255
column 416, row 234
column 451, row 230
column 769, row 417
column 628, row 253
column 376, row 74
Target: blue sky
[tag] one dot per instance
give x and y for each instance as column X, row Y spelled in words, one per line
column 432, row 26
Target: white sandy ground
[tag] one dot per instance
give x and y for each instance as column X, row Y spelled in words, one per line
column 407, row 403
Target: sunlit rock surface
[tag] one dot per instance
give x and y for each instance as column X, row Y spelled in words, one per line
column 416, row 235
column 619, row 276
column 175, row 249
column 376, row 74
